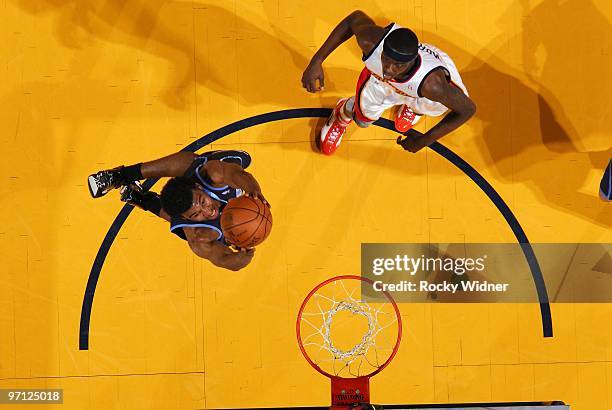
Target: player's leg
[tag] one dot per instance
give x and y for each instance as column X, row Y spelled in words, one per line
column 173, row 165
column 335, row 127
column 605, row 187
column 135, row 195
column 372, row 99
column 365, row 108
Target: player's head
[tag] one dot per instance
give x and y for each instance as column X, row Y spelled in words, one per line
column 400, row 50
column 183, row 198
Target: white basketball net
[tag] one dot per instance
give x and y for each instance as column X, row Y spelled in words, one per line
column 370, row 352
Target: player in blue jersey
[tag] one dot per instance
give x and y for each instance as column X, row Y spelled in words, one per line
column 192, row 200
column 605, row 186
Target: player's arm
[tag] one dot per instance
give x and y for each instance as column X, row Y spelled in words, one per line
column 437, row 88
column 357, row 24
column 203, row 243
column 233, row 175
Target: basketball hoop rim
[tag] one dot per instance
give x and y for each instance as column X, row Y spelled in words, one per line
column 319, row 286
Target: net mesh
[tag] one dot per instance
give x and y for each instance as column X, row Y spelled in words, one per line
column 344, row 335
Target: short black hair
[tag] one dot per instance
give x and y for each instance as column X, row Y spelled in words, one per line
column 401, row 45
column 177, row 196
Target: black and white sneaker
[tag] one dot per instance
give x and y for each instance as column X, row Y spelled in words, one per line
column 135, row 195
column 102, row 182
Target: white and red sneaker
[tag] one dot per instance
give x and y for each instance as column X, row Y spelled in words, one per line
column 405, row 119
column 334, row 129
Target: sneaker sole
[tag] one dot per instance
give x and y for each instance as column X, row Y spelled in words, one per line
column 94, row 190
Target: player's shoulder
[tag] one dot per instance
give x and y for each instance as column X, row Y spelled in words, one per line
column 213, row 168
column 367, row 32
column 215, row 172
column 435, row 83
column 373, row 35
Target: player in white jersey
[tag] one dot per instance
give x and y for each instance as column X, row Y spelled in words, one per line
column 399, row 71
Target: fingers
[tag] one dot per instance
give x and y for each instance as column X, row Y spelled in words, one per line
column 307, row 82
column 410, row 144
column 402, row 142
column 313, row 85
column 406, row 143
column 264, row 200
column 312, row 77
column 246, row 251
column 258, row 195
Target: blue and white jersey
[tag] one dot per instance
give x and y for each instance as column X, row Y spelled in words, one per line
column 222, row 194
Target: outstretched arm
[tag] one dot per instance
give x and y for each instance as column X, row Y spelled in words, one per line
column 202, row 244
column 356, row 24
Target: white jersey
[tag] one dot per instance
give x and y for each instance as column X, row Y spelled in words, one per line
column 429, row 59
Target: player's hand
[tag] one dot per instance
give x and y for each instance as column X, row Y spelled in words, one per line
column 313, row 78
column 413, row 142
column 258, row 195
column 246, row 252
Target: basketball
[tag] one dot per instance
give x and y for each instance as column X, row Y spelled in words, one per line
column 246, row 222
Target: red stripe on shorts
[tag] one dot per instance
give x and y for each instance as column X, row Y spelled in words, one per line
column 361, row 82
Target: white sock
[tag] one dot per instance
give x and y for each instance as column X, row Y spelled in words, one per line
column 346, row 113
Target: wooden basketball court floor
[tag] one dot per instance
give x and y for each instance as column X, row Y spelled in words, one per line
column 88, row 85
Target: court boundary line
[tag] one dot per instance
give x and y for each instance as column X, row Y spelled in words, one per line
column 519, row 233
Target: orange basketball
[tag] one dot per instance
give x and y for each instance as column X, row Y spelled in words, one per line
column 246, row 221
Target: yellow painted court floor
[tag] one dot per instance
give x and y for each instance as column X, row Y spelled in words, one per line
column 88, row 85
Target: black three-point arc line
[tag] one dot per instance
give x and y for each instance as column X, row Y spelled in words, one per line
column 98, row 263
